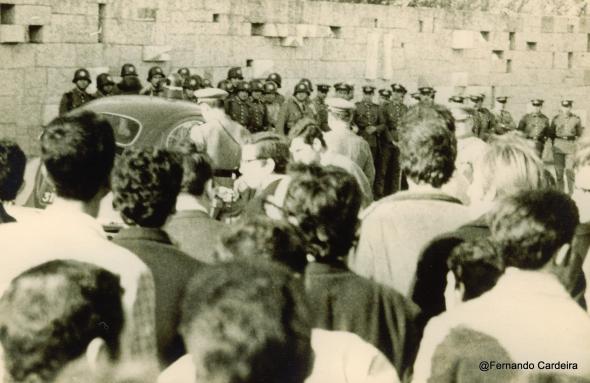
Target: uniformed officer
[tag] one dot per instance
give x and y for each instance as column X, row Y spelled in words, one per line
column 258, row 113
column 239, row 109
column 535, row 126
column 185, row 73
column 294, row 109
column 350, row 91
column 190, row 85
column 368, row 119
column 321, row 109
column 456, row 100
column 272, row 103
column 485, row 120
column 156, row 80
column 388, row 180
column 276, row 78
column 206, row 83
column 308, row 83
column 341, row 90
column 427, row 94
column 504, row 121
column 78, row 95
column 566, row 128
column 104, row 85
column 384, row 96
column 235, row 75
column 130, row 83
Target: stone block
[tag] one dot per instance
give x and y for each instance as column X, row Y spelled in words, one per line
column 459, row 78
column 584, row 24
column 372, row 56
column 547, row 24
column 560, row 60
column 499, row 41
column 89, row 55
column 56, row 55
column 462, row 39
column 17, row 56
column 67, row 28
column 336, row 49
column 50, row 111
column 156, row 53
column 563, row 25
column 11, row 82
column 32, row 15
column 13, row 34
column 9, row 109
column 76, row 7
column 531, row 23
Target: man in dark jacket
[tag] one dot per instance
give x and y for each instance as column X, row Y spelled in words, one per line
column 78, row 95
column 324, row 204
column 145, row 185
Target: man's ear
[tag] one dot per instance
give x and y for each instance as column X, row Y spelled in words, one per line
column 316, row 145
column 96, row 354
column 563, row 256
column 270, row 164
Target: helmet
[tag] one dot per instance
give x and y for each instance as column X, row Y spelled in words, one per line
column 256, row 86
column 206, row 83
column 235, row 72
column 155, row 71
column 128, row 70
column 309, row 84
column 270, row 87
column 103, row 80
column 226, row 85
column 82, row 74
column 274, row 77
column 244, row 86
column 192, row 82
column 184, row 72
column 301, row 87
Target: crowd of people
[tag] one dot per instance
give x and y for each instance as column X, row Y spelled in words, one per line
column 376, row 242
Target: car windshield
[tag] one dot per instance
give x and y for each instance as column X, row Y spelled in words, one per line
column 126, row 129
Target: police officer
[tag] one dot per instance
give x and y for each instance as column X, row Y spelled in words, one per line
column 504, row 121
column 276, row 78
column 234, row 75
column 456, row 101
column 426, row 95
column 258, row 112
column 190, row 85
column 535, row 126
column 239, row 110
column 156, row 81
column 308, row 83
column 485, row 120
column 295, row 108
column 368, row 119
column 185, row 73
column 206, row 83
column 341, row 90
column 130, row 83
column 271, row 100
column 349, row 91
column 566, row 128
column 384, row 96
column 104, row 85
column 78, row 95
column 321, row 109
column 388, row 180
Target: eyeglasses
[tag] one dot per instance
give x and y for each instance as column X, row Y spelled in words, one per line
column 244, row 161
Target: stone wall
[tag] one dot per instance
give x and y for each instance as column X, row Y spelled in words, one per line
column 42, row 42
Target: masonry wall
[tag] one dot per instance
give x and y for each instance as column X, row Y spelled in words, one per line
column 42, row 42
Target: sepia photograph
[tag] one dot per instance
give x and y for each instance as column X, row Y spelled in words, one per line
column 294, row 191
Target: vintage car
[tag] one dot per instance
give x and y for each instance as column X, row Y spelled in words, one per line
column 136, row 121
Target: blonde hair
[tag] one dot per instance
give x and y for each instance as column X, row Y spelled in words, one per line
column 509, row 165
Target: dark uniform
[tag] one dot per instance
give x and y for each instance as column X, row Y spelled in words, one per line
column 485, row 121
column 536, row 127
column 320, row 106
column 276, row 78
column 367, row 117
column 504, row 121
column 238, row 109
column 76, row 97
column 154, row 90
column 456, row 101
column 293, row 110
column 566, row 128
column 104, row 85
column 273, row 106
column 130, row 83
column 388, row 180
column 258, row 113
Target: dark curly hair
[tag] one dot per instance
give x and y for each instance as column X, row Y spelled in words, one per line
column 428, row 147
column 324, row 202
column 247, row 321
column 145, row 183
column 530, row 226
column 308, row 129
column 12, row 169
column 52, row 312
column 263, row 238
column 271, row 146
column 78, row 152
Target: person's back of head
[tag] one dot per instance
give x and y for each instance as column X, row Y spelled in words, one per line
column 530, row 227
column 324, row 203
column 428, row 147
column 271, row 146
column 247, row 322
column 12, row 169
column 146, row 183
column 197, row 169
column 308, row 130
column 52, row 313
column 476, row 267
column 78, row 152
column 263, row 238
column 508, row 165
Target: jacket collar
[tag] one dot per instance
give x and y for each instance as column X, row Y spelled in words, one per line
column 408, row 195
column 144, row 233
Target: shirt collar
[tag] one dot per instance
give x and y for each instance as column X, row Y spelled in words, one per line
column 144, row 233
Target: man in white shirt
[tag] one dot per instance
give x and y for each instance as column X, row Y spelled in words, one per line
column 78, row 153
